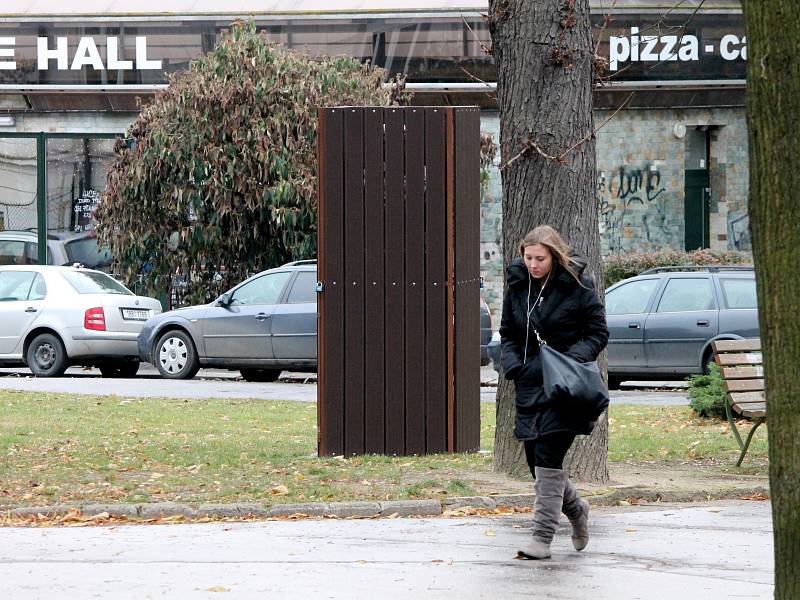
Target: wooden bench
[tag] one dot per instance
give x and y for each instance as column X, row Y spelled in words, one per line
column 743, row 376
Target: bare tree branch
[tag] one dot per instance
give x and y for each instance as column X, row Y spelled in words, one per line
column 483, row 46
column 530, row 143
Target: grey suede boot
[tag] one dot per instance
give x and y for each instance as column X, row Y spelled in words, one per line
column 549, row 488
column 577, row 511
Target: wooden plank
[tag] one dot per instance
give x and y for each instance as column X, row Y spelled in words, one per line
column 394, row 282
column 742, row 372
column 467, row 279
column 744, row 385
column 450, row 193
column 322, row 416
column 436, row 372
column 754, row 411
column 745, row 397
column 414, row 280
column 731, row 360
column 331, row 355
column 353, row 281
column 749, row 345
column 374, row 325
column 472, row 408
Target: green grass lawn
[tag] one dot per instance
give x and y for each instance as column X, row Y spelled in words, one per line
column 672, row 434
column 65, row 448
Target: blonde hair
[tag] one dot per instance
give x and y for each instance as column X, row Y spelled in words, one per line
column 547, row 236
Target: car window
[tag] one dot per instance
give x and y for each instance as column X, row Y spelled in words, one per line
column 304, row 288
column 12, row 252
column 92, row 282
column 264, row 290
column 630, row 298
column 38, row 289
column 739, row 293
column 687, row 294
column 31, row 253
column 86, row 252
column 15, row 285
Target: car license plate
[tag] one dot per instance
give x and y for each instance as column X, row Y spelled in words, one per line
column 135, row 314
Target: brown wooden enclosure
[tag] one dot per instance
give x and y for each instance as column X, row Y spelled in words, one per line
column 398, row 340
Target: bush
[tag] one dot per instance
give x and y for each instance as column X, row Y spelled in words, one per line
column 617, row 267
column 707, row 394
column 217, row 177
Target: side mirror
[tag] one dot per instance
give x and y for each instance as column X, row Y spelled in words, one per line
column 224, row 300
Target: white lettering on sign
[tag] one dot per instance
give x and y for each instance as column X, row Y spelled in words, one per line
column 142, row 63
column 114, row 63
column 653, row 48
column 86, row 54
column 729, row 52
column 44, row 54
column 6, row 52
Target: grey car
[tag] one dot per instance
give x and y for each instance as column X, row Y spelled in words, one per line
column 663, row 321
column 260, row 327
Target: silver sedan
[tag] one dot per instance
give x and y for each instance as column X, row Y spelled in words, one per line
column 53, row 317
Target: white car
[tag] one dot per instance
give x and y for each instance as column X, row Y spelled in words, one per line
column 53, row 317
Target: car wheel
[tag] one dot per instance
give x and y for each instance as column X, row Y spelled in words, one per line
column 119, row 370
column 46, row 356
column 176, row 356
column 614, row 382
column 261, row 375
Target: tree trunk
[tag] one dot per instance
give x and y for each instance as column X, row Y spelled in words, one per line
column 773, row 106
column 544, row 54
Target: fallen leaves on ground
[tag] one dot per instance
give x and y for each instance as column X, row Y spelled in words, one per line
column 756, row 497
column 473, row 511
column 279, row 490
column 635, row 501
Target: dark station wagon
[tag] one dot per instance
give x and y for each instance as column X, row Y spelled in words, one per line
column 663, row 321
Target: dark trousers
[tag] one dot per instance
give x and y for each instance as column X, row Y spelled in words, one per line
column 548, row 451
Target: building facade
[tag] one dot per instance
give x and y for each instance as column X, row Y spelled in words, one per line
column 672, row 164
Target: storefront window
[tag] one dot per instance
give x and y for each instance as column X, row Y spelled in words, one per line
column 76, row 177
column 18, row 184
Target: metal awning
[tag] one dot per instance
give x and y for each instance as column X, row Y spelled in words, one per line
column 189, row 8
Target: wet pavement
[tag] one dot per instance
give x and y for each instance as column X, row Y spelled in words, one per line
column 710, row 551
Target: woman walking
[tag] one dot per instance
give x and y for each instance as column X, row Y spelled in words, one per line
column 549, row 297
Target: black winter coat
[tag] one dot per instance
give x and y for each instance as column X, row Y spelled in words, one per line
column 570, row 318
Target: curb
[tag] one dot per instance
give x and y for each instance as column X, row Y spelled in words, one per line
column 619, row 496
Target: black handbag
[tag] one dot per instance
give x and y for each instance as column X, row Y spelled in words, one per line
column 574, row 386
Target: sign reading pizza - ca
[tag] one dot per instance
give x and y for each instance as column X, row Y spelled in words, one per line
column 54, row 54
column 666, row 48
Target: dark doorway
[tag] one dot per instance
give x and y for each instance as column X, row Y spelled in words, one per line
column 696, row 209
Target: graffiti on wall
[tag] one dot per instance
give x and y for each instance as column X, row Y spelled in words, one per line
column 631, row 198
column 739, row 230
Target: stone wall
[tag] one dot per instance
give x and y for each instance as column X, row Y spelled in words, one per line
column 641, row 159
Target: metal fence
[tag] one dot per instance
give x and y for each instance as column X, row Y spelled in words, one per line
column 398, row 343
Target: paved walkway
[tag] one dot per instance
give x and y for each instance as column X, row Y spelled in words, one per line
column 712, row 551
